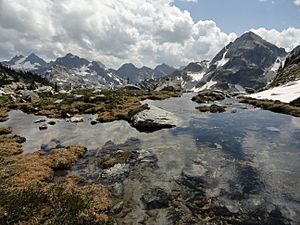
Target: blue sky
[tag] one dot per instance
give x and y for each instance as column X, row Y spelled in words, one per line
column 241, row 15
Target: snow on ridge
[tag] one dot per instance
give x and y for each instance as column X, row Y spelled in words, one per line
column 223, row 61
column 206, row 86
column 285, row 93
column 196, row 76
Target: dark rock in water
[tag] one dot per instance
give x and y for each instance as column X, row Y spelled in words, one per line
column 151, row 126
column 208, row 96
column 94, row 122
column 156, row 198
column 233, row 110
column 52, row 123
column 43, row 127
column 212, row 108
column 113, row 163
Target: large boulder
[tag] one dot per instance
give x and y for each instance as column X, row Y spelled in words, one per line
column 154, row 119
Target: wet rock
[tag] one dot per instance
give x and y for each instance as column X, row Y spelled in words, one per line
column 52, row 123
column 154, row 119
column 194, row 176
column 233, row 110
column 93, row 122
column 211, row 108
column 43, row 127
column 156, row 198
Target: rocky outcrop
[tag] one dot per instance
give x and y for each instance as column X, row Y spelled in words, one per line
column 290, row 71
column 208, row 96
column 154, row 119
column 211, row 108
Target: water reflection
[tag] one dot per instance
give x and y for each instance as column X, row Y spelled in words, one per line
column 250, row 157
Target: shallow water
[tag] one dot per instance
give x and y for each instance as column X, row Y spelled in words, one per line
column 251, row 157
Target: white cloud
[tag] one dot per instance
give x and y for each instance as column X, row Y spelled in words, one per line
column 288, row 39
column 145, row 32
column 297, row 2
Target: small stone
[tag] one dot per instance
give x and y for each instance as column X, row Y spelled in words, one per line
column 58, row 101
column 76, row 119
column 93, row 122
column 52, row 123
column 43, row 127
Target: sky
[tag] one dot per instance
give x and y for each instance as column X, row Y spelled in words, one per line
column 143, row 32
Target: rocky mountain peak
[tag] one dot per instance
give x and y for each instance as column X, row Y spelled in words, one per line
column 71, row 61
column 33, row 58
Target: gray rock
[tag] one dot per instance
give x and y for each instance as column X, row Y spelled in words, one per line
column 43, row 127
column 154, row 119
column 156, row 198
column 76, row 119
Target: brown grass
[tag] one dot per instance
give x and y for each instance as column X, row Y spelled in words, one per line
column 3, row 114
column 29, row 195
column 274, row 106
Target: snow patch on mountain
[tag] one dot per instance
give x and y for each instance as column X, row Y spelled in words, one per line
column 196, row 76
column 285, row 93
column 223, row 61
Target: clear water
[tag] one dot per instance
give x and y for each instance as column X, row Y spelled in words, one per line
column 252, row 156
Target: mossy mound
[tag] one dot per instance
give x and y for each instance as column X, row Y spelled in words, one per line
column 30, row 195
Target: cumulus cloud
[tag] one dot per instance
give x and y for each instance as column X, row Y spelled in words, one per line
column 288, row 38
column 297, row 2
column 145, row 32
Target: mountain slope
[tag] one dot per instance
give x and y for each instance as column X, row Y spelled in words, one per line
column 73, row 71
column 290, row 71
column 9, row 76
column 30, row 63
column 243, row 63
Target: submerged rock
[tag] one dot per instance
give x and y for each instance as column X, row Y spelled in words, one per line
column 154, row 119
column 156, row 198
column 43, row 127
column 52, row 123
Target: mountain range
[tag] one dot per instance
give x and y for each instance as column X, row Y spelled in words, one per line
column 249, row 63
column 71, row 71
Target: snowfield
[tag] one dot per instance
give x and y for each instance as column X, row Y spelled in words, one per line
column 196, row 76
column 285, row 93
